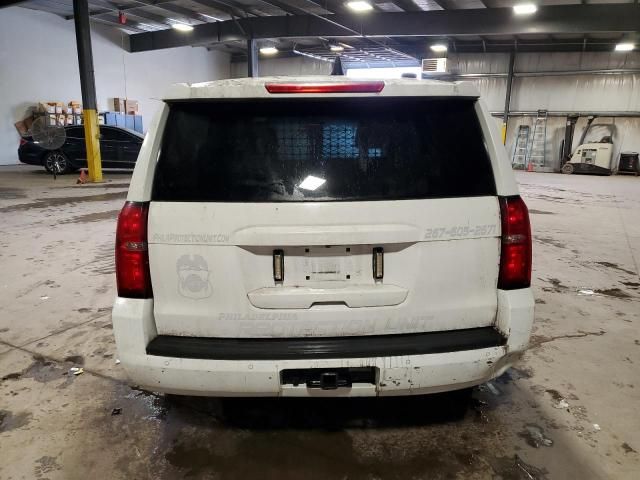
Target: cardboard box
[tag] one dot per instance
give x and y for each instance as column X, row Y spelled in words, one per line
column 74, row 104
column 21, row 127
column 51, row 107
column 118, row 104
column 24, row 125
column 131, row 107
column 47, row 107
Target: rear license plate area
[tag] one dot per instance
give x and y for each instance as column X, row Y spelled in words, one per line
column 328, row 263
column 328, row 378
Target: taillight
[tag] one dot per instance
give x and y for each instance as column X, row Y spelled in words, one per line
column 23, row 141
column 515, row 257
column 329, row 87
column 132, row 256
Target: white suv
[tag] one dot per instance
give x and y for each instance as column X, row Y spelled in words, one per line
column 321, row 236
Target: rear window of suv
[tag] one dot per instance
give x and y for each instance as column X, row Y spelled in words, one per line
column 295, row 150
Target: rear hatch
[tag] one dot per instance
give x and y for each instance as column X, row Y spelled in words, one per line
column 293, row 217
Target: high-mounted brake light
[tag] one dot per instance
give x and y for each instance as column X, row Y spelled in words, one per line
column 515, row 257
column 347, row 87
column 132, row 256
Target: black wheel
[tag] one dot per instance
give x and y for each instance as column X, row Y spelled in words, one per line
column 58, row 160
column 567, row 168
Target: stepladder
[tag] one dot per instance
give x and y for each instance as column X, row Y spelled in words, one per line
column 519, row 157
column 536, row 151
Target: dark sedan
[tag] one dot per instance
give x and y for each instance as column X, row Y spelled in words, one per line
column 119, row 148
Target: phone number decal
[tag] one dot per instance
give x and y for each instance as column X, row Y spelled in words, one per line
column 461, row 231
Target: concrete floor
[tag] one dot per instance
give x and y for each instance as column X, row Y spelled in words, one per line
column 570, row 410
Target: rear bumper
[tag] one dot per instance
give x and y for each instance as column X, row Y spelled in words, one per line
column 318, row 348
column 30, row 155
column 416, row 364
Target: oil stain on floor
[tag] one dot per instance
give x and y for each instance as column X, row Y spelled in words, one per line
column 10, row 420
column 63, row 201
column 93, row 217
column 436, row 437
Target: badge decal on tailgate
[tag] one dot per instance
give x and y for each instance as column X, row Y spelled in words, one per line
column 193, row 277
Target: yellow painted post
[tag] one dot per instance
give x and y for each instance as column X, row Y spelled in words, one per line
column 92, row 141
column 88, row 87
column 504, row 133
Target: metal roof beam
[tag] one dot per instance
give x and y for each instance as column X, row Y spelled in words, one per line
column 113, row 22
column 577, row 19
column 334, row 6
column 449, row 5
column 185, row 12
column 226, row 7
column 113, row 5
column 137, row 11
column 285, row 7
column 9, row 3
column 407, row 5
column 445, row 4
column 134, row 12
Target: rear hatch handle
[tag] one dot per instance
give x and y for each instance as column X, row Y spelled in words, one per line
column 305, row 297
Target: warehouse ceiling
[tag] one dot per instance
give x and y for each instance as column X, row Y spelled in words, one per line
column 393, row 33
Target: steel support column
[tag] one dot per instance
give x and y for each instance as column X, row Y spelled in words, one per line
column 252, row 58
column 507, row 100
column 88, row 87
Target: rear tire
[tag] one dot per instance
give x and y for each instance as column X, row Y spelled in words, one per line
column 56, row 156
column 567, row 168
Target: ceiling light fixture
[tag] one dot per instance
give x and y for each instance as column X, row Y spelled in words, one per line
column 311, row 183
column 359, row 6
column 268, row 50
column 439, row 48
column 625, row 47
column 215, row 19
column 525, row 9
column 336, row 48
column 182, row 27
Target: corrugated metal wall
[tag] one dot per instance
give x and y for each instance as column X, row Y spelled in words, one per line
column 570, row 93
